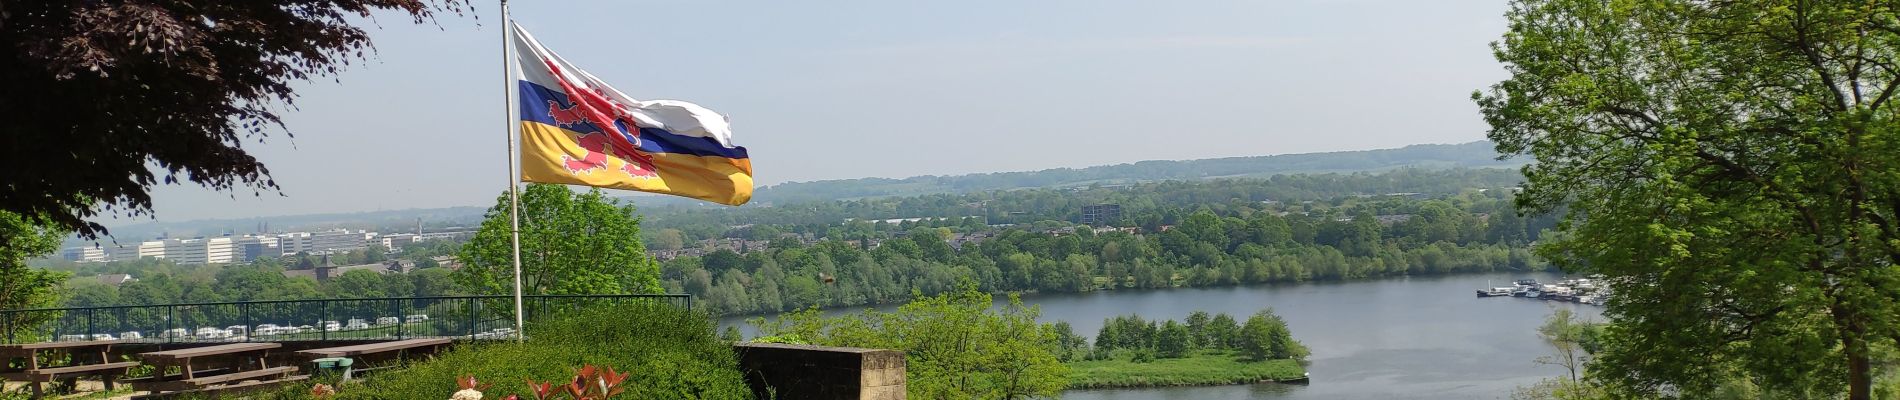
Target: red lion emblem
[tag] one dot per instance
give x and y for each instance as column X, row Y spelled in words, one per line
column 599, row 148
column 618, row 136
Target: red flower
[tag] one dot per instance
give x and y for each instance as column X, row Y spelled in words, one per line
column 542, row 391
column 591, row 383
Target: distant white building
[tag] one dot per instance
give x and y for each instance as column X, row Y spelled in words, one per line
column 250, row 247
column 323, row 242
column 234, row 249
column 396, row 241
column 134, row 251
column 450, row 235
column 86, row 254
column 215, row 250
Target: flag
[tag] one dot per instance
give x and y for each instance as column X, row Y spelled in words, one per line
column 575, row 129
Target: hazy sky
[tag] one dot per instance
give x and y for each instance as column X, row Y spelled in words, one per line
column 849, row 89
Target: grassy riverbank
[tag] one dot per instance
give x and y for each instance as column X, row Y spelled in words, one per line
column 1199, row 369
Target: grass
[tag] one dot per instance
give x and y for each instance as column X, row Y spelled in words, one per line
column 102, row 395
column 670, row 353
column 1200, row 369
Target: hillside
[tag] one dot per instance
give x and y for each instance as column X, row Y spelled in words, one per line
column 1478, row 154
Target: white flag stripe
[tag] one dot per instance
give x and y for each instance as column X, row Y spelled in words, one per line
column 679, row 117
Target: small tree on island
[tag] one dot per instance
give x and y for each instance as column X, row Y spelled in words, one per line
column 1172, row 341
column 1265, row 336
column 1223, row 332
column 1197, row 329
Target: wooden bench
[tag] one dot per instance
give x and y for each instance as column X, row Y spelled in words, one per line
column 383, row 351
column 107, row 372
column 232, row 389
column 209, row 380
column 240, row 362
column 89, row 358
column 173, row 357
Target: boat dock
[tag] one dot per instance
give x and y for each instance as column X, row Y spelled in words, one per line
column 1579, row 290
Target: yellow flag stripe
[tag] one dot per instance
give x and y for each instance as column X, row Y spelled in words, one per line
column 710, row 178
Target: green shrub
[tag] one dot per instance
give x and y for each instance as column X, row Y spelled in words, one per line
column 1143, row 356
column 1198, row 368
column 670, row 353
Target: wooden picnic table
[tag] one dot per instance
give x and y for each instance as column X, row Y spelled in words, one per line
column 87, row 358
column 208, row 367
column 379, row 352
column 375, row 348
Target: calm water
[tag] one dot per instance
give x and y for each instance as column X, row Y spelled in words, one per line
column 1412, row 338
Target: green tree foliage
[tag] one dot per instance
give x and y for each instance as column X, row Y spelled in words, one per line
column 375, row 253
column 88, row 291
column 260, row 282
column 1197, row 329
column 1172, row 340
column 1571, row 340
column 358, row 283
column 1730, row 167
column 731, row 335
column 169, row 88
column 669, row 239
column 1265, row 336
column 22, row 286
column 1069, row 346
column 1223, row 331
column 571, row 243
column 956, row 345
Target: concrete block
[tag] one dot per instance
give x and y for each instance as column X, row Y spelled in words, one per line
column 819, row 372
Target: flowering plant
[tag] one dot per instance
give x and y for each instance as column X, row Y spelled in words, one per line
column 322, row 391
column 590, row 383
column 471, row 389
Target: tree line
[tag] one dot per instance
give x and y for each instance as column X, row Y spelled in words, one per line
column 159, row 281
column 1264, row 336
column 1146, row 204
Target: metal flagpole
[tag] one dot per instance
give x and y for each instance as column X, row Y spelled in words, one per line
column 514, row 198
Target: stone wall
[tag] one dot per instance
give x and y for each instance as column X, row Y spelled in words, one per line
column 799, row 372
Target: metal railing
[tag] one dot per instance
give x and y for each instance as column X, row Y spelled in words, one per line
column 461, row 317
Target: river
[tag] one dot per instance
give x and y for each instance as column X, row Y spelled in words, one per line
column 1399, row 338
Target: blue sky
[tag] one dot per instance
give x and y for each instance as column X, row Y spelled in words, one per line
column 849, row 89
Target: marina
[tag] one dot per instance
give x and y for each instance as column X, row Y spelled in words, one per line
column 1577, row 290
